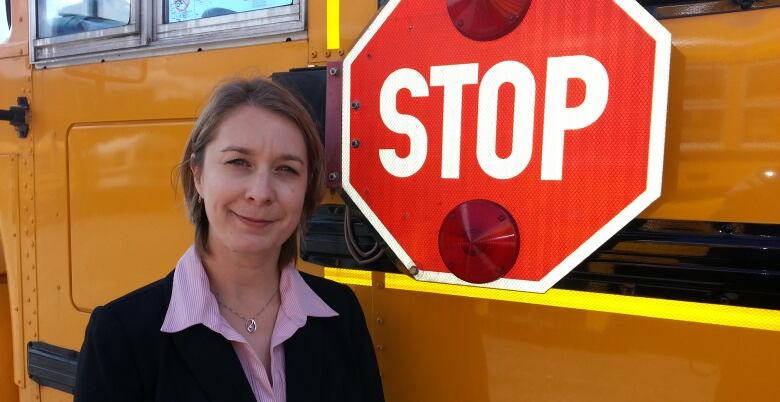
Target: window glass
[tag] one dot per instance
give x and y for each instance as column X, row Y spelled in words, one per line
column 63, row 17
column 5, row 20
column 185, row 10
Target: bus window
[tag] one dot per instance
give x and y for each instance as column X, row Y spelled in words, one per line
column 185, row 10
column 197, row 21
column 63, row 17
column 5, row 21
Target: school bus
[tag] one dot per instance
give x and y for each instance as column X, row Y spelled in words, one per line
column 97, row 98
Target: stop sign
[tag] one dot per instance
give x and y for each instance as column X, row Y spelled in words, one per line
column 499, row 143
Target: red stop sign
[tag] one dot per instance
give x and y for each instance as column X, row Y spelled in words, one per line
column 504, row 159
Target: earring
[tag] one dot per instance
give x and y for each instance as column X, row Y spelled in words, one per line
column 200, row 198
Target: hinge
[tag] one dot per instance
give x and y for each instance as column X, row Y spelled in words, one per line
column 17, row 116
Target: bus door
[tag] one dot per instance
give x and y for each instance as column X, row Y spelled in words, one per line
column 16, row 186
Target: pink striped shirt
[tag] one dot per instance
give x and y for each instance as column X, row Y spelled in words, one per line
column 193, row 303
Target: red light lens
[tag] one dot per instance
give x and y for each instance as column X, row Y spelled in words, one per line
column 479, row 241
column 486, row 19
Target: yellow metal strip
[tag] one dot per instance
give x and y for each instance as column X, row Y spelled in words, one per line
column 333, row 25
column 640, row 306
column 349, row 276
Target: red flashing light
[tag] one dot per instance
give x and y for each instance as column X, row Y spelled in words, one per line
column 479, row 241
column 486, row 19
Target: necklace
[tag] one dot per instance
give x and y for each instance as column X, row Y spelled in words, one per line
column 249, row 323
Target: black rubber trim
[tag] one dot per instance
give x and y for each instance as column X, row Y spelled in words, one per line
column 665, row 9
column 52, row 366
column 324, row 242
column 710, row 262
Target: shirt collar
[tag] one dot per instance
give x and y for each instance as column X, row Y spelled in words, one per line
column 192, row 301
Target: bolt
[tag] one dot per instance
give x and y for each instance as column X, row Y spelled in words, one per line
column 355, row 143
column 327, row 53
column 333, row 176
column 314, row 54
column 413, row 270
column 333, row 71
column 355, row 104
column 727, row 228
column 341, row 52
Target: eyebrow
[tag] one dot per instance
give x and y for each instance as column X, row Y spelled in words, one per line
column 233, row 148
column 247, row 151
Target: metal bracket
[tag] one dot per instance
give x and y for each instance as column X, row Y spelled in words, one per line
column 17, row 116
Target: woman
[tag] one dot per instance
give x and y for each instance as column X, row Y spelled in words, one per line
column 235, row 321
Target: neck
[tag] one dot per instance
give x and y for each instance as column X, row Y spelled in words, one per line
column 241, row 279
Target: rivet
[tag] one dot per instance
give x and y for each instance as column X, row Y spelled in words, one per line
column 355, row 104
column 341, row 52
column 413, row 270
column 379, row 320
column 327, row 53
column 355, row 143
column 333, row 176
column 313, row 54
column 333, row 71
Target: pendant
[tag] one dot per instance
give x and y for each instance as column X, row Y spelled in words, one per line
column 251, row 325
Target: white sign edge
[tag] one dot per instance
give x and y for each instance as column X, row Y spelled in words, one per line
column 346, row 135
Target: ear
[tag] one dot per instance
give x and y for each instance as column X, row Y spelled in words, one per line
column 196, row 174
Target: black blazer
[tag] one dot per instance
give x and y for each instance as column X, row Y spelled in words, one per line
column 125, row 357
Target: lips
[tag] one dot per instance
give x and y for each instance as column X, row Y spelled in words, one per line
column 254, row 222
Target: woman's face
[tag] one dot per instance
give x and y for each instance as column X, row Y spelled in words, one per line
column 253, row 182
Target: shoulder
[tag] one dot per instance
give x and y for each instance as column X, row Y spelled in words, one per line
column 339, row 297
column 141, row 310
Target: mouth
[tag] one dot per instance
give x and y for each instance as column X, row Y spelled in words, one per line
column 254, row 222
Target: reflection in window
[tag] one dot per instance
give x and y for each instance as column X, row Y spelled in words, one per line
column 63, row 17
column 5, row 20
column 185, row 10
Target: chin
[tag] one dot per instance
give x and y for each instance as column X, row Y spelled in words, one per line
column 255, row 247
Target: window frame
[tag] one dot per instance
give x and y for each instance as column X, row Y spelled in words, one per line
column 146, row 34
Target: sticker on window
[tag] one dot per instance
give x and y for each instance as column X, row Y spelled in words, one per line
column 185, row 10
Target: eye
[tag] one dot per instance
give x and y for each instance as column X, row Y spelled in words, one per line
column 287, row 169
column 240, row 162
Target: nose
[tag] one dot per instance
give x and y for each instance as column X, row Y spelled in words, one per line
column 260, row 189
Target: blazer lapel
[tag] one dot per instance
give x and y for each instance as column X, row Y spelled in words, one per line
column 303, row 362
column 214, row 364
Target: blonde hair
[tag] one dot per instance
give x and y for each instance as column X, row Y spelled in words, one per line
column 264, row 94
